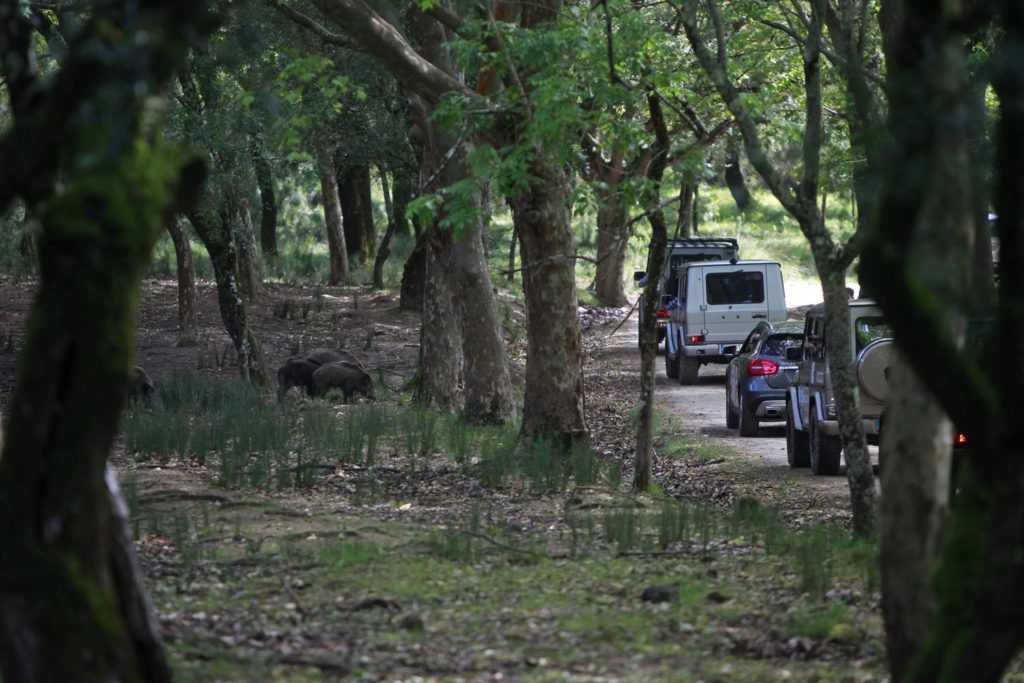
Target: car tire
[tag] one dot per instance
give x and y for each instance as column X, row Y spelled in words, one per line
column 797, row 447
column 688, row 369
column 747, row 419
column 825, row 450
column 671, row 369
column 732, row 418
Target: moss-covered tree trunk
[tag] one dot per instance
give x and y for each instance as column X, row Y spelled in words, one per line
column 213, row 226
column 188, row 334
column 62, row 617
column 440, row 363
column 250, row 273
column 72, row 605
column 385, row 243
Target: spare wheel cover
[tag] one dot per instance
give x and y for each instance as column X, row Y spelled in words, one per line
column 873, row 368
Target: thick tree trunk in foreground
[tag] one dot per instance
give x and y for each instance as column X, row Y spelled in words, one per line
column 336, row 245
column 214, row 229
column 62, row 586
column 268, row 199
column 188, row 334
column 918, row 435
column 553, row 404
column 733, row 174
column 685, row 225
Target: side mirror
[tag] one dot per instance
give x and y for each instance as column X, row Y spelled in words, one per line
column 794, row 353
column 638, row 275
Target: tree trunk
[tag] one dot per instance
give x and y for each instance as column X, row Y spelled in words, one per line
column 513, row 238
column 642, row 461
column 214, row 229
column 414, row 275
column 612, row 239
column 440, row 353
column 553, row 404
column 188, row 334
column 385, row 244
column 859, row 474
column 405, row 184
column 685, row 226
column 357, row 209
column 268, row 199
column 336, row 242
column 249, row 272
column 734, row 175
column 489, row 397
column 70, row 599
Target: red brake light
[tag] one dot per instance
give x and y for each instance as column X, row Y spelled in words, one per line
column 695, row 338
column 960, row 439
column 759, row 367
column 662, row 313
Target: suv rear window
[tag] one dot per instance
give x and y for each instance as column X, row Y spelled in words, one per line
column 868, row 328
column 735, row 288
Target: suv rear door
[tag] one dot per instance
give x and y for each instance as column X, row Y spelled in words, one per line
column 735, row 300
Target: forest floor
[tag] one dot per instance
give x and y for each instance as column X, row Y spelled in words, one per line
column 425, row 554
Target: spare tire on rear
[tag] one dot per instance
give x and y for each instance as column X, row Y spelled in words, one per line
column 873, row 368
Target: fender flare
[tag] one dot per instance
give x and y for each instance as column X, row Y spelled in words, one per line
column 794, row 409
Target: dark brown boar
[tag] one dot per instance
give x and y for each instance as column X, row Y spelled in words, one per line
column 325, row 356
column 346, row 377
column 296, row 372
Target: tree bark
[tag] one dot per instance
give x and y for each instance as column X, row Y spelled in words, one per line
column 733, row 174
column 214, row 229
column 405, row 183
column 188, row 333
column 612, row 239
column 440, row 353
column 385, row 244
column 357, row 209
column 336, row 242
column 268, row 199
column 250, row 274
column 684, row 219
column 512, row 240
column 642, row 461
column 553, row 404
column 414, row 275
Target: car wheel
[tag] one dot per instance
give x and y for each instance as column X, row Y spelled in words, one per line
column 825, row 449
column 688, row 369
column 748, row 421
column 732, row 418
column 797, row 449
column 671, row 369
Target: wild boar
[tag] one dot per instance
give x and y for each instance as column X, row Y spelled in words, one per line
column 346, row 377
column 141, row 387
column 296, row 372
column 325, row 356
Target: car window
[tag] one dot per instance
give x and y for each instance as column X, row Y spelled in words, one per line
column 735, row 288
column 868, row 328
column 776, row 344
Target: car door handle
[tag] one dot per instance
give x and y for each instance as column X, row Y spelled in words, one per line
column 759, row 315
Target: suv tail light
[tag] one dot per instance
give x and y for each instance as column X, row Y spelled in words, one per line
column 759, row 367
column 695, row 339
column 960, row 439
column 661, row 313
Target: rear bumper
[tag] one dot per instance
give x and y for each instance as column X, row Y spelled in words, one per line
column 831, row 427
